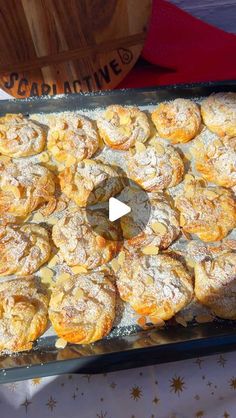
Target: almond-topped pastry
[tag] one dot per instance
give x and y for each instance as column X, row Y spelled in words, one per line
column 215, row 158
column 82, row 307
column 90, row 182
column 209, row 212
column 219, row 113
column 162, row 227
column 121, row 127
column 23, row 188
column 178, row 120
column 215, row 283
column 155, row 167
column 157, row 286
column 23, row 249
column 72, row 138
column 20, row 136
column 87, row 244
column 23, row 313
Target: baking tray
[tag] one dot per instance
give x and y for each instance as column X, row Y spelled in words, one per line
column 140, row 348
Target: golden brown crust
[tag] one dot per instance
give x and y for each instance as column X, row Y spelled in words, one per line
column 90, row 182
column 215, row 284
column 20, row 136
column 72, row 138
column 82, row 243
column 155, row 286
column 208, row 212
column 162, row 227
column 215, row 159
column 155, row 167
column 23, row 188
column 219, row 113
column 23, row 249
column 23, row 313
column 121, row 127
column 82, row 308
column 178, row 120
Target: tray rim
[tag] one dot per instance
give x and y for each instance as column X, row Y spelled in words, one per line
column 224, row 340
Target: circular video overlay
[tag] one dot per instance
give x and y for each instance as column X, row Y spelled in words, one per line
column 127, row 213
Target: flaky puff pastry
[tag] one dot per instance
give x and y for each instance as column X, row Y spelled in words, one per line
column 155, row 167
column 215, row 284
column 72, row 138
column 178, row 120
column 219, row 113
column 121, row 127
column 159, row 231
column 82, row 307
column 216, row 159
column 23, row 249
column 90, row 182
column 157, row 286
column 20, row 136
column 88, row 243
column 23, row 313
column 23, row 188
column 209, row 212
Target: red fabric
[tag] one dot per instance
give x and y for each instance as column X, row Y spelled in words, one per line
column 182, row 48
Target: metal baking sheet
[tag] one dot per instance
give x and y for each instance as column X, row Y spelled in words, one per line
column 131, row 347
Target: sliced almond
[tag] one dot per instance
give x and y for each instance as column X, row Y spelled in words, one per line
column 79, row 294
column 55, row 150
column 159, row 228
column 44, row 157
column 140, row 147
column 115, row 265
column 182, row 220
column 189, row 178
column 78, row 269
column 150, row 250
column 4, row 159
column 121, row 258
column 149, row 279
column 62, row 277
column 159, row 148
column 186, row 235
column 54, row 260
column 57, row 298
column 38, row 217
column 202, row 318
column 180, row 320
column 52, row 220
column 60, row 343
column 46, row 274
column 189, row 191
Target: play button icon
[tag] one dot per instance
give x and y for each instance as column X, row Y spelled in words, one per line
column 117, row 209
column 127, row 212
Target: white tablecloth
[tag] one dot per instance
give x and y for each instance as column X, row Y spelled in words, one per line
column 203, row 387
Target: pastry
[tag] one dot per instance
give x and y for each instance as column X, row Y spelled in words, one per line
column 90, row 182
column 215, row 159
column 209, row 212
column 219, row 113
column 23, row 313
column 87, row 244
column 215, row 284
column 72, row 138
column 121, row 127
column 23, row 249
column 157, row 286
column 82, row 307
column 20, row 136
column 155, row 167
column 160, row 230
column 23, row 188
column 178, row 120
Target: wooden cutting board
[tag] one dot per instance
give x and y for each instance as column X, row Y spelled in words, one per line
column 68, row 46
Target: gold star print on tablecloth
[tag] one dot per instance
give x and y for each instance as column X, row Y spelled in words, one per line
column 221, row 361
column 177, row 384
column 136, row 393
column 51, row 404
column 26, row 404
column 233, row 383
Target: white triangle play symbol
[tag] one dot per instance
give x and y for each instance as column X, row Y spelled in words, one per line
column 117, row 209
